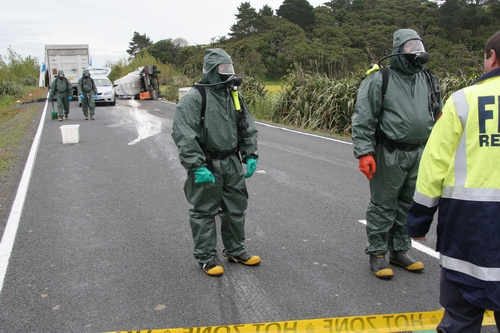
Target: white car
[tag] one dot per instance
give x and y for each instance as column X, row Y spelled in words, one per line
column 106, row 91
column 94, row 71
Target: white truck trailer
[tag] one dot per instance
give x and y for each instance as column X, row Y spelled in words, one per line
column 71, row 58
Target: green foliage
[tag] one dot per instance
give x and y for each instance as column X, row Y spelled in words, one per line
column 450, row 84
column 299, row 12
column 16, row 72
column 315, row 102
column 9, row 88
column 343, row 36
column 138, row 43
column 171, row 91
column 247, row 18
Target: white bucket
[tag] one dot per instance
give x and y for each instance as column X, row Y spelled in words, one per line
column 70, row 133
column 183, row 91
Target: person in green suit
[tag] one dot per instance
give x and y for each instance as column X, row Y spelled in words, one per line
column 63, row 90
column 215, row 134
column 87, row 91
column 389, row 133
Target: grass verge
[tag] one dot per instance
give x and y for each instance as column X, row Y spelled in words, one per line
column 14, row 121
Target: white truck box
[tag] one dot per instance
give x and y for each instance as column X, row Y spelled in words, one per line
column 71, row 58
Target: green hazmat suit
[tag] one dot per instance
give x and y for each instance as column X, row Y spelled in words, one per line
column 61, row 88
column 407, row 122
column 87, row 88
column 218, row 134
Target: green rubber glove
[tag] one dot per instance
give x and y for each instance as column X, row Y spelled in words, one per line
column 251, row 166
column 203, row 175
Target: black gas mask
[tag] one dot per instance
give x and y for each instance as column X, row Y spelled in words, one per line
column 413, row 51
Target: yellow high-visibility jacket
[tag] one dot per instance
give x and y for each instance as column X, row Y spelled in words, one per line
column 460, row 173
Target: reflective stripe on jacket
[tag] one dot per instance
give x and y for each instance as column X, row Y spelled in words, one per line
column 460, row 172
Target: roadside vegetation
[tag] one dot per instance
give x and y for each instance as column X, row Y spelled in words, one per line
column 301, row 65
column 309, row 60
column 18, row 84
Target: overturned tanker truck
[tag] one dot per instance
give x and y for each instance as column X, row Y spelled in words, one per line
column 142, row 83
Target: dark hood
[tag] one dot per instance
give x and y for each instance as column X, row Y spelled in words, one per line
column 213, row 57
column 399, row 62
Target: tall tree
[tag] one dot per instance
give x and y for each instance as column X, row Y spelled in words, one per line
column 138, row 43
column 163, row 50
column 266, row 11
column 246, row 20
column 299, row 12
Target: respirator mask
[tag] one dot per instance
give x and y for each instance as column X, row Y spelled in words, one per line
column 60, row 76
column 414, row 52
column 225, row 71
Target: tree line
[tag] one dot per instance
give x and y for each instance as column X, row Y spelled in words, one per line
column 338, row 38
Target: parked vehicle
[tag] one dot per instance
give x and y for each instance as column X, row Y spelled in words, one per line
column 106, row 90
column 71, row 58
column 104, row 71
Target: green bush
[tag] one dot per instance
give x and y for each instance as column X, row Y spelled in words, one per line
column 316, row 102
column 16, row 72
column 8, row 88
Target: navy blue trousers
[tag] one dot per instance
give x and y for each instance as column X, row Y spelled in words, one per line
column 459, row 314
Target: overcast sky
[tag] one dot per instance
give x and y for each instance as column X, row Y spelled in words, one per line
column 108, row 26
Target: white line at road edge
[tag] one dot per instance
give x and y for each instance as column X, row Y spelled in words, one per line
column 303, row 133
column 418, row 246
column 9, row 234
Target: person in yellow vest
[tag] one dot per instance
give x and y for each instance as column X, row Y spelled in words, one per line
column 62, row 89
column 459, row 173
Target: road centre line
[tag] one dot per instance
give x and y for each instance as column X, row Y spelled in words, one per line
column 12, row 225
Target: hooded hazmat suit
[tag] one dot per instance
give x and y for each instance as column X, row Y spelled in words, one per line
column 217, row 136
column 406, row 123
column 87, row 89
column 62, row 89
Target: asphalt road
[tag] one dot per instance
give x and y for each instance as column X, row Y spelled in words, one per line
column 103, row 242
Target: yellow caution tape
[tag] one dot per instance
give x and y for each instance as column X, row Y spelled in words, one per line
column 398, row 322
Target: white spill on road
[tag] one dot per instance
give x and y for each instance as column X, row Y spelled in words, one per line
column 146, row 124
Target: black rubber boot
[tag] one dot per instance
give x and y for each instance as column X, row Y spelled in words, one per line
column 380, row 268
column 402, row 259
column 245, row 259
column 212, row 268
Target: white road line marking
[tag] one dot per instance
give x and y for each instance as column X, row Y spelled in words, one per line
column 308, row 134
column 12, row 225
column 418, row 246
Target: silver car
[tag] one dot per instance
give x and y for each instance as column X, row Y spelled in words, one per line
column 105, row 91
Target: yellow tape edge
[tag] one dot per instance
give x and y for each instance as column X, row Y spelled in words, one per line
column 398, row 322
